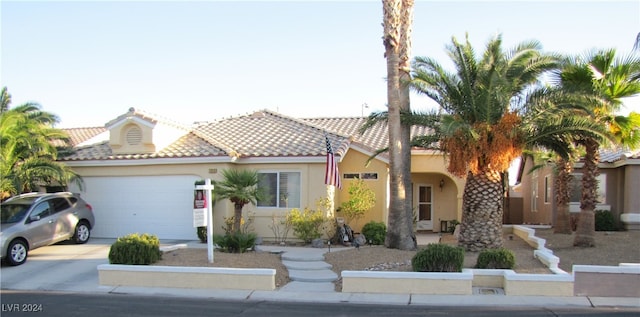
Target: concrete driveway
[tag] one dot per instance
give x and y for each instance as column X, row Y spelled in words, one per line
column 61, row 267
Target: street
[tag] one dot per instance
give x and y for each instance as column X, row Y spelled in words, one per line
column 29, row 303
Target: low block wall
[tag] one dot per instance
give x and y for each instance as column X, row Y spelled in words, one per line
column 407, row 282
column 607, row 281
column 187, row 277
column 537, row 284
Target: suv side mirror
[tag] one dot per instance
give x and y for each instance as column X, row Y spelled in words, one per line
column 34, row 218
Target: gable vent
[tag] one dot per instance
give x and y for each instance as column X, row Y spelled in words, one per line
column 134, row 136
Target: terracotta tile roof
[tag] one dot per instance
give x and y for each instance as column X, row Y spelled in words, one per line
column 79, row 135
column 261, row 134
column 614, row 155
column 373, row 139
column 147, row 116
column 189, row 145
column 269, row 134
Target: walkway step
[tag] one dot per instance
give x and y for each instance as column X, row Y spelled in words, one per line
column 306, row 265
column 320, row 287
column 313, row 276
column 302, row 257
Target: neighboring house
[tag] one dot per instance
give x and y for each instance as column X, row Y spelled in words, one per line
column 618, row 185
column 139, row 170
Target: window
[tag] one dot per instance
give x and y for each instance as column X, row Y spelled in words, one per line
column 41, row 210
column 59, row 204
column 547, row 189
column 281, row 189
column 360, row 176
column 576, row 188
column 369, row 175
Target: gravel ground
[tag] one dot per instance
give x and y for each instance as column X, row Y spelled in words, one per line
column 611, row 248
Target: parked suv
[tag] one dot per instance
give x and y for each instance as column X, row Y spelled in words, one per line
column 34, row 220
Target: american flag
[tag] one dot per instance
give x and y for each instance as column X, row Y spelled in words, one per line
column 331, row 173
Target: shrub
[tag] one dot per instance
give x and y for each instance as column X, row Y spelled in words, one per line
column 496, row 259
column 235, row 242
column 202, row 234
column 361, row 199
column 452, row 226
column 438, row 257
column 375, row 232
column 135, row 249
column 605, row 221
column 307, row 224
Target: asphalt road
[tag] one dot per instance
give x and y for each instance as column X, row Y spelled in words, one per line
column 30, row 303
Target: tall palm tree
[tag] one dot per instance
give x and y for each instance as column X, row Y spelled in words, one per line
column 397, row 20
column 491, row 109
column 241, row 188
column 28, row 152
column 609, row 79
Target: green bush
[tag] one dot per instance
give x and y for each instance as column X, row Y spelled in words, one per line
column 605, row 221
column 452, row 226
column 307, row 224
column 202, row 234
column 438, row 258
column 496, row 259
column 375, row 232
column 235, row 242
column 135, row 249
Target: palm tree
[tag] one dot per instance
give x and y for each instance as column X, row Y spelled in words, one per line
column 491, row 109
column 28, row 154
column 398, row 17
column 609, row 80
column 241, row 188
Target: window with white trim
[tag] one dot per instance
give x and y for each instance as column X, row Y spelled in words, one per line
column 281, row 189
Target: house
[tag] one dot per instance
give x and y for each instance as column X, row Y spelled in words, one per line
column 618, row 185
column 139, row 170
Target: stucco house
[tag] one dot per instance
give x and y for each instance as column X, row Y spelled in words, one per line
column 139, row 170
column 618, row 185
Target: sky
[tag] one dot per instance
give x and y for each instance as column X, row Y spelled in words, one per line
column 90, row 61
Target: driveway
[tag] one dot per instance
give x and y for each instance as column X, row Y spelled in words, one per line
column 61, row 267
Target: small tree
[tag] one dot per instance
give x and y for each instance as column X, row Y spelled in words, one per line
column 241, row 188
column 361, row 199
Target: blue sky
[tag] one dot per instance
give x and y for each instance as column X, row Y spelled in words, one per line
column 89, row 61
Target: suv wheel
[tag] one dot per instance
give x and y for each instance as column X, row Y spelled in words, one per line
column 17, row 252
column 82, row 233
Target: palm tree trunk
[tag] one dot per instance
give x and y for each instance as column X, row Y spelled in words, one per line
column 237, row 217
column 562, row 181
column 481, row 225
column 586, row 223
column 400, row 233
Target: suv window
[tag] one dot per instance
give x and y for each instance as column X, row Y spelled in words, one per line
column 42, row 210
column 59, row 204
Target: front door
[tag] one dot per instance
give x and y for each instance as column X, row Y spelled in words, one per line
column 425, row 207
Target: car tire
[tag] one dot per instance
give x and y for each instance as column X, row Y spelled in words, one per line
column 82, row 233
column 17, row 252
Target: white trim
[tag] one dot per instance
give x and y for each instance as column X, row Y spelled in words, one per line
column 131, row 119
column 193, row 160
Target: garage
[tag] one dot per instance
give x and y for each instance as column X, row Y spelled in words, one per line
column 159, row 205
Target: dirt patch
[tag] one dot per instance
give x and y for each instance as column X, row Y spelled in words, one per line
column 612, row 248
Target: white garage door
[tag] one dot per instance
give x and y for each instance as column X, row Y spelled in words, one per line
column 160, row 205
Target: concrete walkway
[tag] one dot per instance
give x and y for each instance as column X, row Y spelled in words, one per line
column 309, row 272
